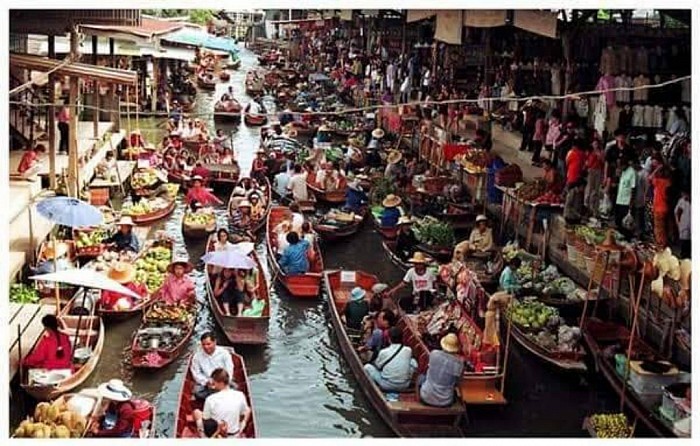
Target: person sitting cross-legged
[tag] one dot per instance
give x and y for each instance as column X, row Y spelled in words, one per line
column 394, row 366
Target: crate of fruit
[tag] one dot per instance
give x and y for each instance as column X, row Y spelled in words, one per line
column 88, row 241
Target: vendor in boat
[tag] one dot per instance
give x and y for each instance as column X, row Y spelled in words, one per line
column 406, row 240
column 124, row 239
column 178, row 289
column 136, row 139
column 237, row 196
column 294, row 259
column 393, row 169
column 259, row 170
column 297, row 184
column 257, row 207
column 374, row 142
column 354, row 156
column 323, row 135
column 328, row 179
column 157, row 189
column 437, row 386
column 200, row 171
column 119, row 417
column 230, row 289
column 356, row 309
column 422, row 281
column 508, row 280
column 392, row 370
column 124, row 274
column 480, row 241
column 199, row 193
column 379, row 335
column 53, row 351
column 221, row 140
column 225, row 412
column 355, row 197
column 205, row 360
column 391, row 213
column 242, row 218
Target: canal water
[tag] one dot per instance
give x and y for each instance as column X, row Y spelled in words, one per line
column 301, row 385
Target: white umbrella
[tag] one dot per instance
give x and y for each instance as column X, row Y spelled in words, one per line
column 88, row 279
column 244, row 247
column 234, row 259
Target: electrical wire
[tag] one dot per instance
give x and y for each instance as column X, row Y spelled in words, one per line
column 371, row 108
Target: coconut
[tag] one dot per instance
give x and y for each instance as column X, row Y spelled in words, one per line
column 657, row 286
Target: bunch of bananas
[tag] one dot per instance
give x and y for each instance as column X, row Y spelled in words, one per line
column 613, row 425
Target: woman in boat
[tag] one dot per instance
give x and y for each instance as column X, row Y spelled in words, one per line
column 406, row 240
column 356, row 310
column 391, row 213
column 259, row 171
column 508, row 280
column 393, row 169
column 295, row 259
column 355, row 197
column 119, row 417
column 422, row 281
column 393, row 368
column 480, row 240
column 124, row 274
column 241, row 218
column 53, row 351
column 379, row 336
column 199, row 193
column 178, row 289
column 437, row 386
column 124, row 239
column 223, row 241
column 226, row 406
column 257, row 207
column 230, row 290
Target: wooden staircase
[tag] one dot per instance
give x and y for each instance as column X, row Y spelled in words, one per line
column 28, row 121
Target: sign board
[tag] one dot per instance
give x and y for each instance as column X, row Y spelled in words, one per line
column 348, row 277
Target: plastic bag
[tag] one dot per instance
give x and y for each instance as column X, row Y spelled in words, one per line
column 628, row 222
column 256, row 308
column 605, row 205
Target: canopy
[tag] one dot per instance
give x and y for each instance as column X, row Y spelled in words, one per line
column 86, row 278
column 188, row 36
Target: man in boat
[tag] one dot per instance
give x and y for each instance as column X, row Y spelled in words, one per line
column 200, row 171
column 259, row 170
column 437, row 386
column 406, row 240
column 297, row 184
column 356, row 309
column 480, row 241
column 222, row 140
column 379, row 335
column 297, row 217
column 242, row 218
column 199, row 193
column 226, row 405
column 422, row 281
column 376, row 137
column 124, row 239
column 393, row 368
column 281, row 182
column 393, row 170
column 508, row 280
column 119, row 417
column 355, row 197
column 391, row 213
column 124, row 274
column 294, row 259
column 205, row 360
column 178, row 289
column 53, row 351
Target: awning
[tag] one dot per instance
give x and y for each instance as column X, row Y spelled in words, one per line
column 148, row 28
column 484, row 18
column 543, row 23
column 448, row 27
column 101, row 74
column 194, row 38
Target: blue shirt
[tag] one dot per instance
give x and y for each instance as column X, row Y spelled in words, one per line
column 125, row 242
column 354, row 199
column 294, row 260
column 390, row 217
column 508, row 280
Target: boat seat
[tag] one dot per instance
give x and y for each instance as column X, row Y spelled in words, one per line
column 409, row 402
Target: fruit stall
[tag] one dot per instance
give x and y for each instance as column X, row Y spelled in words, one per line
column 101, row 187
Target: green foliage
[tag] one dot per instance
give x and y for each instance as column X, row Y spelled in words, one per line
column 433, row 232
column 381, row 187
column 199, row 16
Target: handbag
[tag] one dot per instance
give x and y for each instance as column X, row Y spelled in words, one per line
column 398, row 350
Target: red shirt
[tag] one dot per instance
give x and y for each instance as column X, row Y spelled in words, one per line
column 201, row 171
column 109, row 298
column 595, row 161
column 125, row 420
column 27, row 161
column 574, row 165
column 258, row 165
column 201, row 195
column 44, row 355
column 661, row 186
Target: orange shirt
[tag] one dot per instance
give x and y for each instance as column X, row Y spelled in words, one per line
column 661, row 186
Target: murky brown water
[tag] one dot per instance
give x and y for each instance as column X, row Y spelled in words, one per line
column 301, row 385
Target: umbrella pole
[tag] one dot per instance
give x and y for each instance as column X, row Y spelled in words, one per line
column 631, row 341
column 19, row 352
column 56, row 286
column 80, row 322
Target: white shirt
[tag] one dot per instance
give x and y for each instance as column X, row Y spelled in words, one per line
column 254, row 108
column 297, row 221
column 426, row 282
column 203, row 365
column 684, row 221
column 297, row 184
column 648, row 116
column 426, row 79
column 226, row 405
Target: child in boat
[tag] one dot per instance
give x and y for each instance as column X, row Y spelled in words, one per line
column 508, row 280
column 54, row 351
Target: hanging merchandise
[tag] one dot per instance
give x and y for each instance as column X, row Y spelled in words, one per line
column 613, row 119
column 658, row 121
column 648, row 116
column 606, row 84
column 672, row 118
column 641, row 95
column 638, row 116
column 600, row 115
column 556, row 80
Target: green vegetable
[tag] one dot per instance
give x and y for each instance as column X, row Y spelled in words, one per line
column 381, row 187
column 23, row 294
column 433, row 232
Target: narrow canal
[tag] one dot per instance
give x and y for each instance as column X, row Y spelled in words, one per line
column 301, row 385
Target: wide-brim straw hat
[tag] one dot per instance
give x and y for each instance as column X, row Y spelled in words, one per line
column 391, row 201
column 125, row 221
column 394, row 157
column 122, row 272
column 450, row 343
column 377, row 133
column 418, row 257
column 244, row 204
column 357, row 294
column 188, row 266
column 379, row 288
column 114, row 390
column 50, row 253
column 481, row 218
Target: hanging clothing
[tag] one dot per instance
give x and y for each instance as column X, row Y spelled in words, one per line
column 619, row 83
column 608, row 63
column 625, row 95
column 638, row 116
column 641, row 61
column 626, row 59
column 658, row 121
column 555, row 76
column 613, row 119
column 671, row 119
column 605, row 83
column 600, row 115
column 643, row 94
column 685, row 91
column 648, row 116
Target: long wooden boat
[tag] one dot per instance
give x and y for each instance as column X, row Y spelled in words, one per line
column 407, row 416
column 443, row 254
column 390, row 248
column 87, row 327
column 197, row 232
column 331, row 232
column 146, row 358
column 184, row 423
column 222, row 113
column 305, row 286
column 206, row 81
column 387, row 232
column 254, row 120
column 266, row 192
column 602, row 339
column 242, row 329
column 332, row 197
column 152, row 217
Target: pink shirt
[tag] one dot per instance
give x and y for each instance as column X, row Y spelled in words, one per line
column 64, row 115
column 553, row 132
column 177, row 290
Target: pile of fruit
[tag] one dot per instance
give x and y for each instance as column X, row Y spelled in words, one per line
column 168, row 314
column 594, row 236
column 145, row 206
column 105, row 261
column 612, row 425
column 53, row 420
column 474, row 161
column 199, row 219
column 143, row 178
column 23, row 294
column 151, row 267
column 90, row 239
column 548, row 198
column 531, row 191
column 172, row 189
column 533, row 315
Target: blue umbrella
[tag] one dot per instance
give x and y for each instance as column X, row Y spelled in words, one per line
column 69, row 211
column 234, row 259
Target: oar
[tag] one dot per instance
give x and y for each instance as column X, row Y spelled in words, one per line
column 19, row 351
column 80, row 321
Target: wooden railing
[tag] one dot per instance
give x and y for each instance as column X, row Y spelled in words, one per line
column 28, row 116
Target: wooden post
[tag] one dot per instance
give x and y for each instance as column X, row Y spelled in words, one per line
column 112, row 60
column 154, row 84
column 96, row 111
column 51, row 122
column 73, row 179
column 94, row 50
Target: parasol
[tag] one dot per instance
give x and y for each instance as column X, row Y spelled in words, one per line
column 234, row 259
column 88, row 279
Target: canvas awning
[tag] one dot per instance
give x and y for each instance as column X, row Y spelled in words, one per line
column 101, row 74
column 543, row 23
column 195, row 38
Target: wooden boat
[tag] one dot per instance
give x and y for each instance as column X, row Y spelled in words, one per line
column 390, row 248
column 47, row 290
column 197, row 232
column 242, row 329
column 146, row 358
column 302, row 285
column 206, row 80
column 443, row 254
column 111, row 315
column 184, row 423
column 603, row 340
column 266, row 192
column 387, row 232
column 332, row 197
column 222, row 113
column 91, row 333
column 330, row 232
column 407, row 417
column 152, row 217
column 254, row 120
